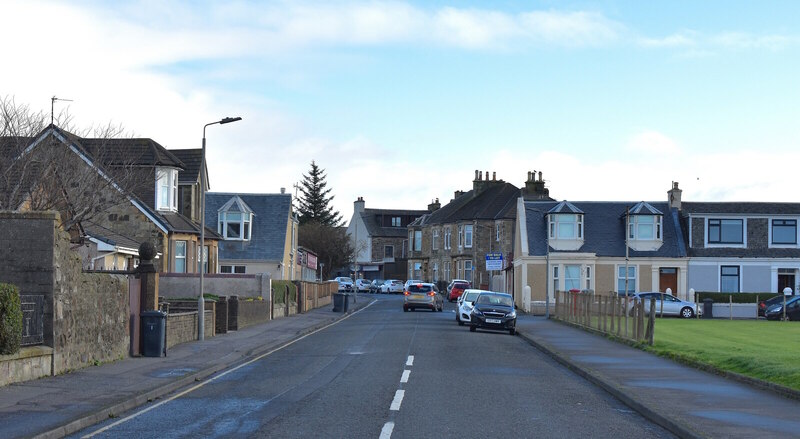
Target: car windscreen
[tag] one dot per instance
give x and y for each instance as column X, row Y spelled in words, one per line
column 494, row 299
column 345, row 279
column 414, row 288
column 470, row 297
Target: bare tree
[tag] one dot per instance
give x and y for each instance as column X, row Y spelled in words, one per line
column 331, row 244
column 64, row 169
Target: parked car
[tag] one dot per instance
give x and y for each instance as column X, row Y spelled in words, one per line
column 465, row 304
column 493, row 311
column 456, row 288
column 672, row 305
column 345, row 284
column 411, row 281
column 764, row 305
column 363, row 285
column 775, row 312
column 422, row 295
column 392, row 286
column 375, row 286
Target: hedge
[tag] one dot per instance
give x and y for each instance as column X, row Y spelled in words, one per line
column 735, row 297
column 279, row 291
column 10, row 319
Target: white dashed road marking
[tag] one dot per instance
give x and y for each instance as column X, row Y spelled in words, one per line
column 386, row 433
column 410, row 361
column 398, row 400
column 404, row 378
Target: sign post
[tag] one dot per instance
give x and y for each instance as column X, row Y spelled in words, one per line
column 494, row 261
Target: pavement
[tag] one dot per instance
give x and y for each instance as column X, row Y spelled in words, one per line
column 685, row 401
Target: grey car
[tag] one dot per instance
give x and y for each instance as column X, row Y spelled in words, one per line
column 422, row 295
column 672, row 306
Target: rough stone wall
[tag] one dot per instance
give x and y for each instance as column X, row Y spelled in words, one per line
column 698, row 232
column 378, row 244
column 85, row 315
column 91, row 312
column 757, row 234
column 252, row 312
column 185, row 285
column 182, row 327
column 127, row 220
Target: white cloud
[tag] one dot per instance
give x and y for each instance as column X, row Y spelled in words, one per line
column 680, row 39
column 652, row 142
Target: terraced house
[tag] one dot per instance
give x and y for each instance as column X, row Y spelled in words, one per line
column 453, row 241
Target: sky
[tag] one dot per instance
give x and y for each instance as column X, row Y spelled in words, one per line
column 400, row 102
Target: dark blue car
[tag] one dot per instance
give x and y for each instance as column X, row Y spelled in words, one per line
column 494, row 311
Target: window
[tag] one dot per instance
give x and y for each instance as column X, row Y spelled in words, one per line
column 784, row 231
column 460, row 236
column 396, row 221
column 725, row 231
column 235, row 225
column 447, row 234
column 631, row 279
column 418, row 240
column 729, row 279
column 388, row 251
column 180, row 256
column 459, row 273
column 468, row 271
column 417, row 270
column 588, row 278
column 555, row 278
column 238, row 269
column 468, row 236
column 447, row 271
column 497, row 229
column 572, row 277
column 167, row 189
column 566, row 226
column 644, row 227
column 436, row 272
column 435, row 240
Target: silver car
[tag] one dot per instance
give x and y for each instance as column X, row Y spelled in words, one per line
column 672, row 306
column 422, row 295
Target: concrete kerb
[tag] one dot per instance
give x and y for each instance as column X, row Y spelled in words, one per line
column 114, row 410
column 674, row 427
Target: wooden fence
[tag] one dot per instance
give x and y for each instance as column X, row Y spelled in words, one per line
column 621, row 317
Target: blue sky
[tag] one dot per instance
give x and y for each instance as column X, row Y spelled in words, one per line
column 402, row 101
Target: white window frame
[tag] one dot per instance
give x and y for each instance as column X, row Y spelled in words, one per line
column 555, row 278
column 180, row 257
column 575, row 281
column 418, row 240
column 460, row 236
column 447, row 271
column 631, row 280
column 167, row 189
column 635, row 226
column 468, row 236
column 245, row 225
column 435, row 271
column 447, row 238
column 435, row 239
column 557, row 220
column 498, row 228
column 588, row 277
column 468, row 268
column 397, row 221
column 386, row 247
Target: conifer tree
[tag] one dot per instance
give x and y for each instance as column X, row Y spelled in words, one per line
column 314, row 203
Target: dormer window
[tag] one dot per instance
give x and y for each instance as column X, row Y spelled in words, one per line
column 645, row 227
column 167, row 189
column 566, row 226
column 235, row 220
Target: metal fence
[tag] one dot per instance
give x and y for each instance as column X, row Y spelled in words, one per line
column 621, row 317
column 32, row 319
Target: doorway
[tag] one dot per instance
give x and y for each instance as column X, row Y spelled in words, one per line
column 786, row 279
column 668, row 278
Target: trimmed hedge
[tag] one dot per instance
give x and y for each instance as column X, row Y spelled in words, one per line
column 735, row 297
column 10, row 319
column 279, row 288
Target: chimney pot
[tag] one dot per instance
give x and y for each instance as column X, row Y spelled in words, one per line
column 494, row 175
column 283, row 190
column 540, row 175
column 476, row 175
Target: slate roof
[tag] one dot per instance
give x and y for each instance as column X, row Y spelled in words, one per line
column 109, row 236
column 192, row 160
column 604, row 229
column 737, row 208
column 270, row 216
column 496, row 201
column 564, row 207
column 374, row 227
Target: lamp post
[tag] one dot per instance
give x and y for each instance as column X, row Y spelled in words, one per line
column 201, row 306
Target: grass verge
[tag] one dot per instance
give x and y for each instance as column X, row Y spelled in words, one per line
column 759, row 349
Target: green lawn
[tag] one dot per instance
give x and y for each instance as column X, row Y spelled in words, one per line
column 757, row 348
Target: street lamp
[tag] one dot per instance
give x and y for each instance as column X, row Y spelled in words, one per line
column 201, row 306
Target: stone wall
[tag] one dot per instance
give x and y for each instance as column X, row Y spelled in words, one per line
column 182, row 327
column 86, row 315
column 185, row 285
column 252, row 312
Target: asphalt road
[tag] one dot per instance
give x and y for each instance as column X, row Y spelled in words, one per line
column 384, row 373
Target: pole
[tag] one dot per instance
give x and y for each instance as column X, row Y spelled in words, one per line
column 547, row 276
column 201, row 306
column 627, row 232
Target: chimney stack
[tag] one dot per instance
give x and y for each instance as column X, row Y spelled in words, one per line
column 674, row 196
column 283, row 190
column 358, row 205
column 535, row 189
column 435, row 205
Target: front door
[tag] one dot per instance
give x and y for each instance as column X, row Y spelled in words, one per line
column 668, row 278
column 785, row 280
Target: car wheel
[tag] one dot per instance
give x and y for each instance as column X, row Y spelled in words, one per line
column 473, row 328
column 405, row 309
column 687, row 313
column 460, row 323
column 512, row 331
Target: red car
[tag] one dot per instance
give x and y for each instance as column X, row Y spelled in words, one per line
column 456, row 288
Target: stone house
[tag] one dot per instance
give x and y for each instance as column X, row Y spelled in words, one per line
column 379, row 237
column 258, row 233
column 741, row 246
column 453, row 242
column 131, row 213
